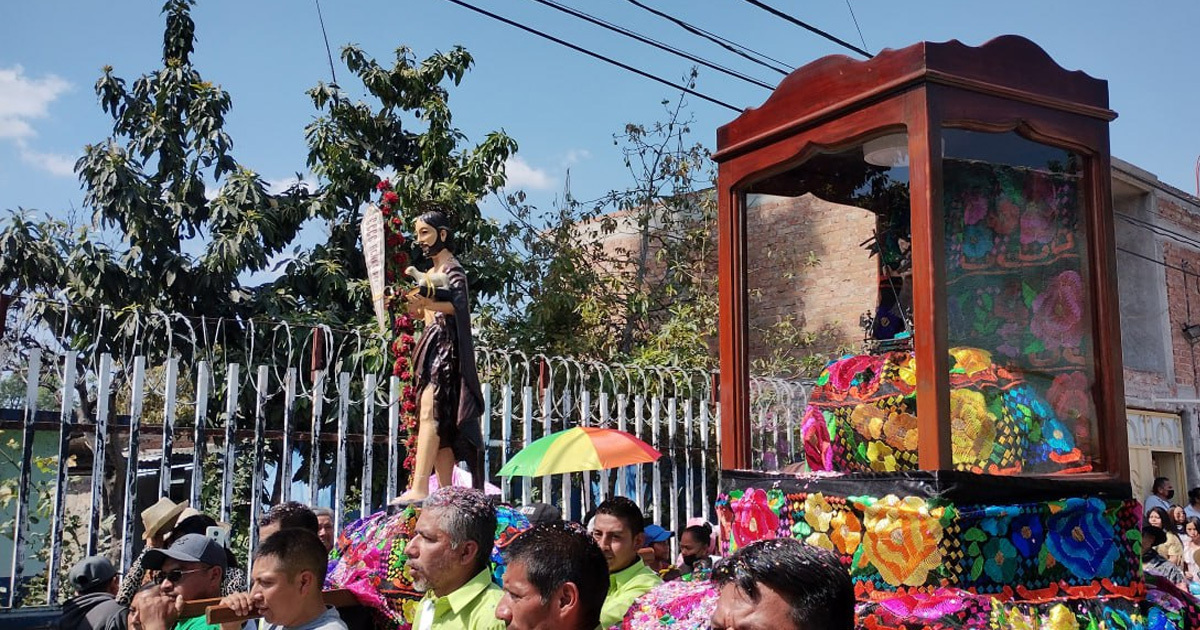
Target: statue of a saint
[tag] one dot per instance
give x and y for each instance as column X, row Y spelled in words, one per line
column 450, row 400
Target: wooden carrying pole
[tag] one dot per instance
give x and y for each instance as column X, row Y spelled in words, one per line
column 215, row 613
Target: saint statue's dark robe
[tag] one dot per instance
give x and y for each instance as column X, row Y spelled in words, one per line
column 445, row 360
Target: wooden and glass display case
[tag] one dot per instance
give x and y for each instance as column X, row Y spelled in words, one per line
column 969, row 462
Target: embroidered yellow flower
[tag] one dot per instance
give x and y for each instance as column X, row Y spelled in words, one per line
column 972, row 428
column 1061, row 618
column 971, row 360
column 820, row 539
column 906, row 370
column 845, row 531
column 868, row 420
column 901, row 538
column 900, row 431
column 817, row 512
column 881, row 457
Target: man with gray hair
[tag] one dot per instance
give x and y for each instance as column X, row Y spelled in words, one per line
column 448, row 558
column 325, row 529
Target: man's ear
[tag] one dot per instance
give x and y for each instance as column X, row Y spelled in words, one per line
column 307, row 580
column 443, row 234
column 639, row 541
column 468, row 549
column 217, row 576
column 567, row 597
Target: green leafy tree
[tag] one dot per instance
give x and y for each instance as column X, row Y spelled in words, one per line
column 631, row 276
column 179, row 225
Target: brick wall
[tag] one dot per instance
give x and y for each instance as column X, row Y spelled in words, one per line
column 1182, row 294
column 789, row 235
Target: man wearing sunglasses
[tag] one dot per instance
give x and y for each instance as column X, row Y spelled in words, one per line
column 191, row 568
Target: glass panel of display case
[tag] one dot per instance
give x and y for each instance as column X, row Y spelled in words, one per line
column 827, row 263
column 1019, row 321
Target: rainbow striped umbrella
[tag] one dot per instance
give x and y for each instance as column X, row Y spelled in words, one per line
column 576, row 449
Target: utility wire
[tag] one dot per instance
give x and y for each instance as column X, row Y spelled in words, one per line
column 856, row 26
column 1157, row 261
column 596, row 55
column 729, row 45
column 804, row 25
column 657, row 44
column 1160, row 230
column 328, row 52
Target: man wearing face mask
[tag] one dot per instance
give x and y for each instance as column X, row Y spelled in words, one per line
column 1161, row 494
column 450, row 400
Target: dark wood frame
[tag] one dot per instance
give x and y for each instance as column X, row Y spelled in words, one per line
column 1008, row 84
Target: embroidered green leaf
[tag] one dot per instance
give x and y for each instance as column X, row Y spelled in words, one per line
column 975, row 534
column 1028, row 294
column 977, row 568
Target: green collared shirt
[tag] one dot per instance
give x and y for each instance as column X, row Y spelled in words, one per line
column 624, row 586
column 471, row 607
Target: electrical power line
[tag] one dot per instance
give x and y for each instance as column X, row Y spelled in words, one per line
column 657, row 44
column 1157, row 261
column 1160, row 230
column 597, row 55
column 804, row 25
column 856, row 26
column 729, row 45
column 328, row 52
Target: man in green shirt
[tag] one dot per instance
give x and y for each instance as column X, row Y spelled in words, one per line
column 619, row 530
column 556, row 579
column 448, row 559
column 191, row 568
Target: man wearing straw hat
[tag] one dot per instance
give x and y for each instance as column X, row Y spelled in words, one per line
column 157, row 521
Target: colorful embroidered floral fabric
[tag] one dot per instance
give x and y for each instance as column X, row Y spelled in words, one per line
column 915, row 557
column 1016, row 277
column 678, row 604
column 862, row 416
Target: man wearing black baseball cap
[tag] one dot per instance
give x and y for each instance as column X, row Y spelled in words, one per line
column 96, row 582
column 191, row 568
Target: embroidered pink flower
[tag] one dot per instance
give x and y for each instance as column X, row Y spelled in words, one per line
column 927, row 606
column 1006, row 218
column 818, row 449
column 753, row 518
column 1036, row 225
column 1070, row 397
column 1058, row 312
column 975, row 208
column 844, row 374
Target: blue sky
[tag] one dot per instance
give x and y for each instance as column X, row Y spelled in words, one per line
column 560, row 106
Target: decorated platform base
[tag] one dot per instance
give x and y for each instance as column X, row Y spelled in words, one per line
column 963, row 550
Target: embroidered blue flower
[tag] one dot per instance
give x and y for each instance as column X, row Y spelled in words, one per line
column 1058, row 436
column 995, row 520
column 1000, row 560
column 1027, row 534
column 977, row 241
column 1158, row 620
column 1081, row 539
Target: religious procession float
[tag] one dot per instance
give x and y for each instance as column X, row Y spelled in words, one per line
column 970, row 465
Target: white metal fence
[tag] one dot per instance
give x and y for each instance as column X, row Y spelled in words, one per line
column 208, row 410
